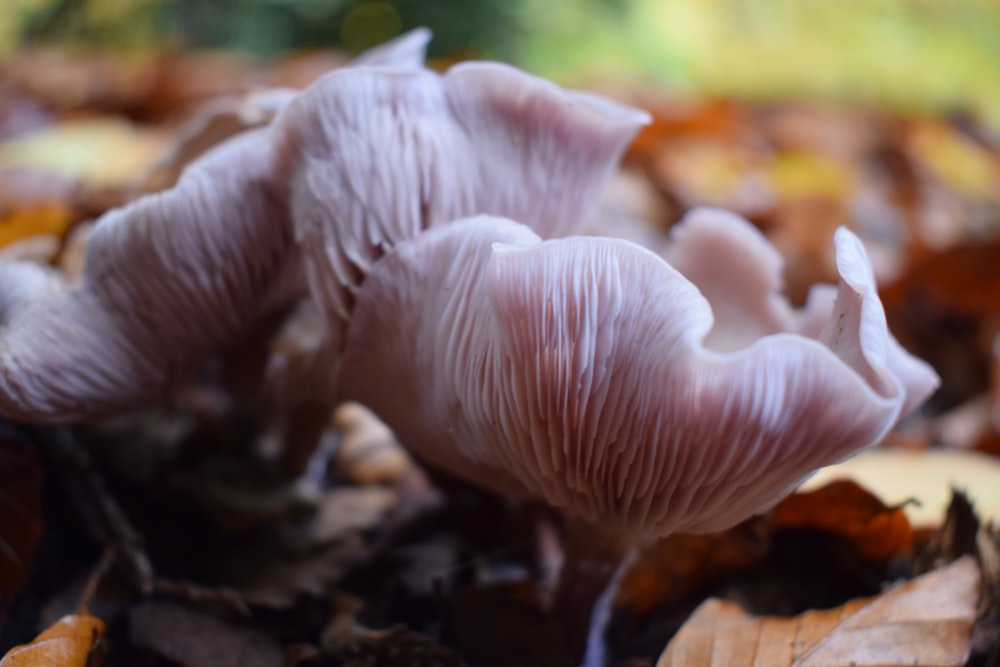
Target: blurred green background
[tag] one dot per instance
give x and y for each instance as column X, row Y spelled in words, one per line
column 934, row 55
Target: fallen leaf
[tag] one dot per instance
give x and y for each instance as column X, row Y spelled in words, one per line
column 20, row 514
column 957, row 160
column 799, row 174
column 844, row 133
column 67, row 643
column 926, row 621
column 43, row 219
column 710, row 119
column 341, row 512
column 986, row 638
column 959, row 282
column 344, row 637
column 100, row 152
column 311, row 554
column 72, row 80
column 927, row 476
column 193, row 638
column 369, row 452
column 843, row 507
column 956, row 537
column 679, row 565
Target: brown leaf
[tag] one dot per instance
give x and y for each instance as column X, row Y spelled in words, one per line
column 67, row 643
column 843, row 507
column 20, row 515
column 715, row 119
column 927, row 476
column 679, row 565
column 102, row 151
column 961, row 282
column 955, row 537
column 369, row 452
column 986, row 638
column 926, row 621
column 193, row 638
column 48, row 218
column 344, row 637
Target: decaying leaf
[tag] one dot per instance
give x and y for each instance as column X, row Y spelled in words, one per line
column 358, row 646
column 369, row 452
column 679, row 565
column 20, row 514
column 927, row 476
column 954, row 538
column 193, row 639
column 927, row 621
column 962, row 534
column 986, row 638
column 67, row 643
column 843, row 507
column 102, row 152
column 309, row 554
column 47, row 218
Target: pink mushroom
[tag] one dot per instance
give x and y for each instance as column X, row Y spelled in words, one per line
column 365, row 158
column 640, row 398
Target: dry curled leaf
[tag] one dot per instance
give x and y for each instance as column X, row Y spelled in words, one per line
column 66, row 643
column 20, row 514
column 369, row 452
column 926, row 621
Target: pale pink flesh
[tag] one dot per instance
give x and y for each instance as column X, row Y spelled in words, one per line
column 575, row 371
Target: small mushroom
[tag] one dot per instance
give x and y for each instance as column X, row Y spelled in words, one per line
column 593, row 375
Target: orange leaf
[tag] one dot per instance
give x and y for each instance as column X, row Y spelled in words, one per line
column 67, row 643
column 35, row 220
column 926, row 621
column 846, row 509
column 677, row 566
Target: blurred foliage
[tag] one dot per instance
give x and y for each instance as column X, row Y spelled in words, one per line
column 261, row 27
column 911, row 54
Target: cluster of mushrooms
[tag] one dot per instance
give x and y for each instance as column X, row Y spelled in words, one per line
column 429, row 218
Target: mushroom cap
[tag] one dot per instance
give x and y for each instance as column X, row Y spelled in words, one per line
column 167, row 278
column 374, row 156
column 366, row 157
column 592, row 374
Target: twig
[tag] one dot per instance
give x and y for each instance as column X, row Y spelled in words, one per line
column 108, row 524
column 102, row 515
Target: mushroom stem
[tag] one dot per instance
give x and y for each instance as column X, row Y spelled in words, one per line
column 596, row 558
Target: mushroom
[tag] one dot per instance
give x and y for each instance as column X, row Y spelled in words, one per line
column 640, row 398
column 374, row 157
column 364, row 158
